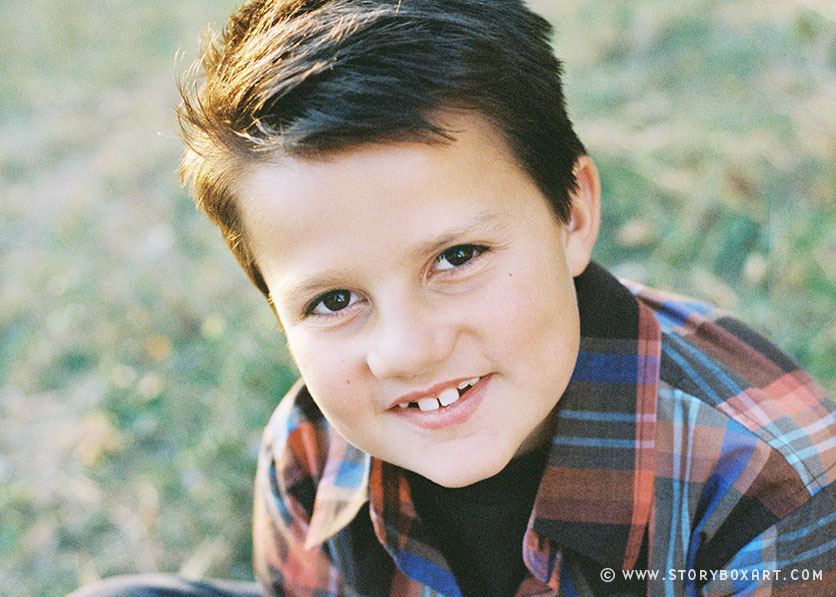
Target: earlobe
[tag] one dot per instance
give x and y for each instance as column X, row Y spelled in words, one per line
column 585, row 216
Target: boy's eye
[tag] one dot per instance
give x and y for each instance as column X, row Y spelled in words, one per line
column 458, row 256
column 331, row 302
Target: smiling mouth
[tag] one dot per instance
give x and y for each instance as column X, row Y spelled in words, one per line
column 445, row 398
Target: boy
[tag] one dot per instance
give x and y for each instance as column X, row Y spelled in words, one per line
column 482, row 410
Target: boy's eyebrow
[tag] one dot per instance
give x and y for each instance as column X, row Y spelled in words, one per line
column 303, row 288
column 483, row 222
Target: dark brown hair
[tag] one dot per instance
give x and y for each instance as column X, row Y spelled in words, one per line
column 306, row 77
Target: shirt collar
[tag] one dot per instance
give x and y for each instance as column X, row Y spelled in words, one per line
column 342, row 490
column 595, row 495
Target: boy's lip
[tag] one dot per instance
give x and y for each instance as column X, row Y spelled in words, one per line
column 447, row 416
column 431, row 392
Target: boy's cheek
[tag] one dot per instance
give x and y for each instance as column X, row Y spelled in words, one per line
column 534, row 302
column 329, row 373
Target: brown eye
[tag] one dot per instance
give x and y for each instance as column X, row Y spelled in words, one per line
column 336, row 300
column 458, row 256
column 331, row 301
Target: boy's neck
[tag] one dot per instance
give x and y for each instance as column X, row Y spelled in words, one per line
column 479, row 528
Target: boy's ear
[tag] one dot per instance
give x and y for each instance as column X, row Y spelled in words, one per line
column 584, row 216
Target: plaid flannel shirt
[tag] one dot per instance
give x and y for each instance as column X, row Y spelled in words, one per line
column 690, row 457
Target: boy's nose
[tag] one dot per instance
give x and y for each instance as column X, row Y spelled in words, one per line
column 408, row 342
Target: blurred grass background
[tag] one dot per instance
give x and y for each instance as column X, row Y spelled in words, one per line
column 137, row 365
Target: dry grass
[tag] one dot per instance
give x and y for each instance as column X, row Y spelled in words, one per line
column 137, row 366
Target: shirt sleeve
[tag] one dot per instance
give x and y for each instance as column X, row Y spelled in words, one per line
column 285, row 486
column 794, row 557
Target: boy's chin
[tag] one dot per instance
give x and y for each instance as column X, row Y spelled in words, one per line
column 463, row 471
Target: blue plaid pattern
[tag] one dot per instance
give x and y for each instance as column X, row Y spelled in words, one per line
column 689, row 456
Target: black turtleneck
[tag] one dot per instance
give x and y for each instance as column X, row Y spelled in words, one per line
column 479, row 529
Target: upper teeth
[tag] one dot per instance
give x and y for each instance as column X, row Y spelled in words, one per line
column 469, row 382
column 447, row 397
column 428, row 403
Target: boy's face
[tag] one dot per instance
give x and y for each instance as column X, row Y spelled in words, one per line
column 408, row 275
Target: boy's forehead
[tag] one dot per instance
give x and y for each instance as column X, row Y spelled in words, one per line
column 290, row 199
column 472, row 137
